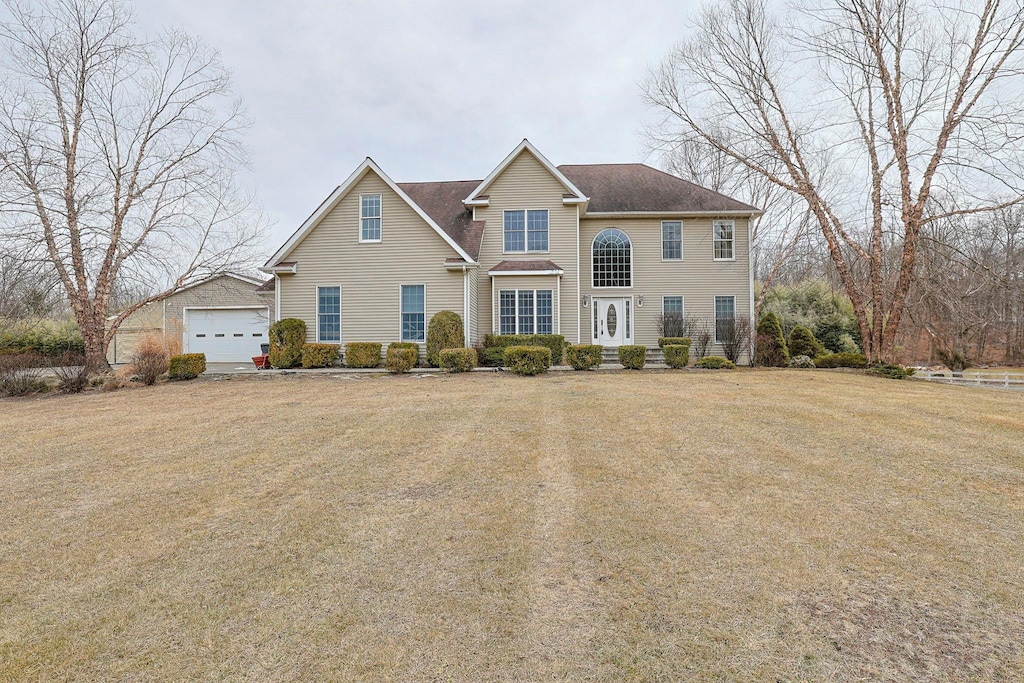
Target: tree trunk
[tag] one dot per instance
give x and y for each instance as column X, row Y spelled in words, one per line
column 93, row 328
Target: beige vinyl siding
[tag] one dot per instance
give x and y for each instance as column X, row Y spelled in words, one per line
column 698, row 278
column 167, row 316
column 370, row 274
column 528, row 282
column 473, row 275
column 526, row 184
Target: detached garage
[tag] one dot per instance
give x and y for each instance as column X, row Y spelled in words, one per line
column 226, row 317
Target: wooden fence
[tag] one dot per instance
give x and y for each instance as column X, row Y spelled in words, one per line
column 993, row 379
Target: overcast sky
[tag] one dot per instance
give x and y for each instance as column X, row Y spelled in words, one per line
column 430, row 90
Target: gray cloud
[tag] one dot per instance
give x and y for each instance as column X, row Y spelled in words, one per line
column 430, row 90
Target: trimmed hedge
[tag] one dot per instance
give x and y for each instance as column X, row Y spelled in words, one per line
column 584, row 356
column 803, row 343
column 892, row 371
column 633, row 356
column 841, row 360
column 401, row 358
column 362, row 354
column 287, row 337
column 715, row 363
column 457, row 360
column 527, row 360
column 319, row 355
column 673, row 341
column 677, row 355
column 555, row 342
column 493, row 357
column 186, row 366
column 444, row 332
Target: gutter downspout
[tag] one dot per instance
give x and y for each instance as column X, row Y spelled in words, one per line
column 465, row 305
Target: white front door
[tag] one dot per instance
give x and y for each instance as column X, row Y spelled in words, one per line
column 611, row 322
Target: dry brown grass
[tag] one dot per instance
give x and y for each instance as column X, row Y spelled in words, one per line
column 646, row 526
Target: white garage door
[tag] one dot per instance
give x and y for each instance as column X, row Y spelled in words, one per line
column 226, row 335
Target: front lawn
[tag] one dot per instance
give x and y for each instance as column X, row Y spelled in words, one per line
column 668, row 526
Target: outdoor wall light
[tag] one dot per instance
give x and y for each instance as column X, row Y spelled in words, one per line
column 640, row 301
column 585, row 300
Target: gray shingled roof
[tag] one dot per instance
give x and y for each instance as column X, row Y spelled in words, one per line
column 443, row 202
column 530, row 264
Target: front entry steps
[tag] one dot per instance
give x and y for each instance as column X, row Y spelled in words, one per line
column 610, row 354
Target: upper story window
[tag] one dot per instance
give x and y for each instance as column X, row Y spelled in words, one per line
column 672, row 240
column 526, row 230
column 369, row 217
column 612, row 260
column 724, row 238
column 328, row 314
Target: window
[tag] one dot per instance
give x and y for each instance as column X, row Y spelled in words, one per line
column 724, row 240
column 725, row 316
column 328, row 314
column 672, row 305
column 526, row 311
column 526, row 230
column 612, row 259
column 672, row 240
column 369, row 217
column 414, row 313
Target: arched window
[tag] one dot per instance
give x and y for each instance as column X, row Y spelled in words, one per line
column 612, row 259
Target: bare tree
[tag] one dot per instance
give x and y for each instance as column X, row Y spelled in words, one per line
column 117, row 158
column 867, row 110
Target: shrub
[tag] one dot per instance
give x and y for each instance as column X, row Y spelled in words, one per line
column 21, row 374
column 527, row 360
column 677, row 355
column 319, row 355
column 801, row 361
column 401, row 359
column 672, row 324
column 457, row 360
column 72, row 374
column 445, row 332
column 286, row 339
column 841, row 360
column 362, row 354
column 555, row 342
column 493, row 357
column 41, row 337
column 584, row 356
column 633, row 356
column 735, row 338
column 150, row 359
column 770, row 345
column 892, row 371
column 803, row 343
column 673, row 341
column 186, row 366
column 715, row 363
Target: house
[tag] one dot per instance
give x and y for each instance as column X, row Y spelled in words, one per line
column 592, row 252
column 225, row 316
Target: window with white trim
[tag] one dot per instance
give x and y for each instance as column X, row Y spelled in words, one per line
column 526, row 230
column 369, row 217
column 672, row 240
column 525, row 311
column 724, row 239
column 672, row 305
column 328, row 315
column 612, row 259
column 414, row 313
column 725, row 318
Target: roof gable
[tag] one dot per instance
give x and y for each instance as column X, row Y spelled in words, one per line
column 572, row 196
column 368, row 166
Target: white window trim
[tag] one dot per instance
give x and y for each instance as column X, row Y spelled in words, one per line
column 632, row 277
column 682, row 247
column 381, row 198
column 673, row 296
column 554, row 310
column 732, row 242
column 401, row 312
column 316, row 312
column 526, row 228
column 714, row 317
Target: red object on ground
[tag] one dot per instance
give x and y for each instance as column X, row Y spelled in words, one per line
column 261, row 362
